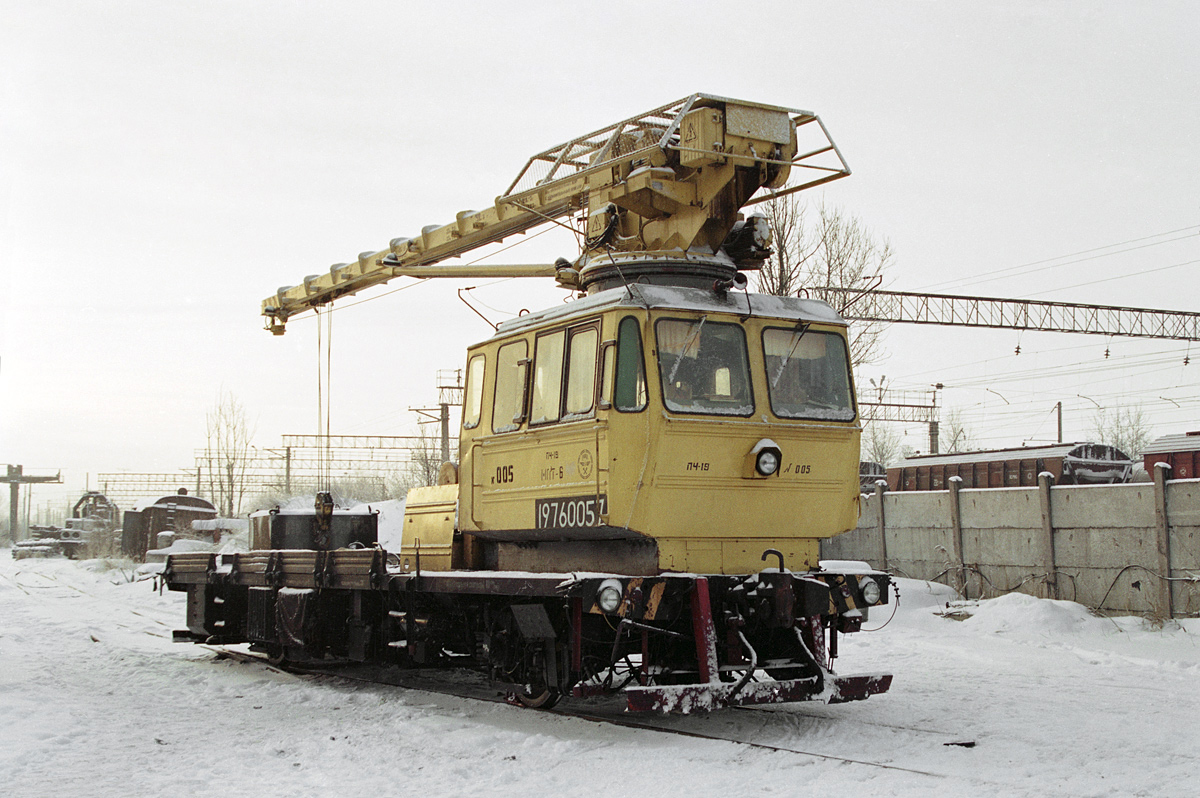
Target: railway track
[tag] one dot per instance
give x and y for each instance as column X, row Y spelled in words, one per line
column 471, row 686
column 49, row 581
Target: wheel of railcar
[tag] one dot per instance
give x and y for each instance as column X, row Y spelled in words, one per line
column 277, row 655
column 535, row 692
column 545, row 699
column 522, row 663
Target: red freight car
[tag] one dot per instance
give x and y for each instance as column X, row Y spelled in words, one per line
column 1070, row 463
column 1181, row 452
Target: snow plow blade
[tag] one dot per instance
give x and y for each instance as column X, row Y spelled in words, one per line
column 687, row 698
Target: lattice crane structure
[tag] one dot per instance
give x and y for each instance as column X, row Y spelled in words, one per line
column 657, row 193
column 903, row 307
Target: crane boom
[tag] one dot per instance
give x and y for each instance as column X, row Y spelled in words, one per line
column 669, row 181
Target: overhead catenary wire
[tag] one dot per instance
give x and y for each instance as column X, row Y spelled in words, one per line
column 1140, row 366
column 1015, row 271
column 1140, row 273
column 1131, row 365
column 995, row 426
column 1090, row 344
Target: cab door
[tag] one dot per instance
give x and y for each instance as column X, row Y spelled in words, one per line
column 538, row 475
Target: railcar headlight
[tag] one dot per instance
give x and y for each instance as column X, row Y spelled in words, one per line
column 870, row 590
column 767, row 463
column 608, row 597
column 763, row 460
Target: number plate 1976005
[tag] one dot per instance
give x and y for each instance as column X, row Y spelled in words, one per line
column 570, row 511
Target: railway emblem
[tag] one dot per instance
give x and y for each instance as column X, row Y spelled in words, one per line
column 585, row 464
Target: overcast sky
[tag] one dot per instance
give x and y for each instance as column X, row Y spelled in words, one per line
column 166, row 166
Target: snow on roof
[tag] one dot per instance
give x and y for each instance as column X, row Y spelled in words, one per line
column 665, row 297
column 989, row 455
column 184, row 499
column 389, row 530
column 358, row 509
column 207, row 524
column 1182, row 442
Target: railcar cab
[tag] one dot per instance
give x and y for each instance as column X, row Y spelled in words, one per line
column 658, row 428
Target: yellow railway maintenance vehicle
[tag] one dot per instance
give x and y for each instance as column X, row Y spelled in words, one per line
column 644, row 473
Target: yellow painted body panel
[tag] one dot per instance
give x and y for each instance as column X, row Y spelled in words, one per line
column 679, row 479
column 709, row 518
column 546, row 463
column 429, row 528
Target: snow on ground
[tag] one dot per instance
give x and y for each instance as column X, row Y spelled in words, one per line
column 95, row 700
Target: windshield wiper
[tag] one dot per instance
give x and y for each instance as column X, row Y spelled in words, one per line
column 692, row 336
column 802, row 329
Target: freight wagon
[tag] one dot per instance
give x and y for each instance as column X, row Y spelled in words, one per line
column 1181, row 452
column 1069, row 463
column 173, row 512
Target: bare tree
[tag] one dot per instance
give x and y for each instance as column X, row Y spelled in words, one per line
column 1124, row 427
column 781, row 274
column 425, row 459
column 850, row 257
column 834, row 250
column 880, row 444
column 955, row 435
column 227, row 454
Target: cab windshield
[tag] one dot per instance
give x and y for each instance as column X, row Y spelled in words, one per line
column 808, row 374
column 704, row 367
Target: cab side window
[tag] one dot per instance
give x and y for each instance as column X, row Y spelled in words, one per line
column 547, row 378
column 473, row 399
column 508, row 409
column 581, row 371
column 564, row 375
column 629, row 392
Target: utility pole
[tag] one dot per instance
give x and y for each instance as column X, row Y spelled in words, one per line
column 896, row 406
column 933, row 423
column 16, row 477
column 450, row 394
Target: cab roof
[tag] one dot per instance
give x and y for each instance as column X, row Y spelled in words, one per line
column 663, row 297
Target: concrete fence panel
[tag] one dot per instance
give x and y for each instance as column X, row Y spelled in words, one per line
column 1116, row 548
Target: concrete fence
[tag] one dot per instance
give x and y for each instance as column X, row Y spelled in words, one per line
column 1118, row 548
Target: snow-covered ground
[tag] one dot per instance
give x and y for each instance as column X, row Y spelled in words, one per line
column 95, row 700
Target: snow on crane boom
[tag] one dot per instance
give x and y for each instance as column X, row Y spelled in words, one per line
column 661, row 193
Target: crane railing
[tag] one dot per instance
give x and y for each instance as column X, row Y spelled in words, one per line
column 559, row 182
